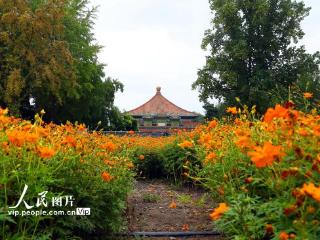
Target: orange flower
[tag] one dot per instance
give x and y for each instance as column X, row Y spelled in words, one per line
column 311, row 190
column 277, row 112
column 264, row 156
column 210, row 157
column 173, row 205
column 16, row 137
column 131, row 132
column 69, row 141
column 106, row 177
column 109, row 146
column 185, row 144
column 81, row 127
column 219, row 211
column 130, row 165
column 185, row 227
column 3, row 111
column 303, row 132
column 205, row 138
column 307, row 95
column 31, row 137
column 243, row 142
column 212, row 124
column 232, row 110
column 284, row 236
column 46, row 152
column 141, row 157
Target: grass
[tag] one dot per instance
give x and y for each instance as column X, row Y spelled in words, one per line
column 150, row 198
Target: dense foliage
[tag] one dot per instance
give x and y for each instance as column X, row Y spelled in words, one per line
column 63, row 160
column 264, row 172
column 49, row 61
column 254, row 54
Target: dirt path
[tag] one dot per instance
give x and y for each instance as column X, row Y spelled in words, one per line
column 156, row 206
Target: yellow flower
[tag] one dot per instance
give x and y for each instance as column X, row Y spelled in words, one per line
column 185, row 144
column 307, row 95
column 232, row 110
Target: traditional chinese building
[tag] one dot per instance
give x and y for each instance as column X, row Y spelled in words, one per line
column 160, row 115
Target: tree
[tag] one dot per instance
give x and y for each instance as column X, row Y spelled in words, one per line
column 254, row 52
column 35, row 62
column 94, row 102
column 49, row 60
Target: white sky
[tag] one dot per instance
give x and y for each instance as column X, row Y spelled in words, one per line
column 150, row 43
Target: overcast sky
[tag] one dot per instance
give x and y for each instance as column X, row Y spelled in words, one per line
column 150, row 43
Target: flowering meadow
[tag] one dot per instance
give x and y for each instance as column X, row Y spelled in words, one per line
column 263, row 173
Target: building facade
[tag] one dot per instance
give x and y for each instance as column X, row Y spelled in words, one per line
column 160, row 115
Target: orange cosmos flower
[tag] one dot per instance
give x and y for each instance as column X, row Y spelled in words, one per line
column 81, row 127
column 232, row 110
column 283, row 236
column 303, row 132
column 243, row 142
column 31, row 137
column 106, row 177
column 46, row 152
column 130, row 165
column 4, row 111
column 265, row 156
column 212, row 124
column 173, row 205
column 185, row 144
column 141, row 157
column 277, row 112
column 205, row 138
column 316, row 130
column 210, row 157
column 16, row 137
column 307, row 95
column 219, row 211
column 69, row 141
column 109, row 146
column 311, row 190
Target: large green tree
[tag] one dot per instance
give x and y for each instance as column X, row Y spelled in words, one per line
column 49, row 60
column 96, row 94
column 35, row 62
column 254, row 53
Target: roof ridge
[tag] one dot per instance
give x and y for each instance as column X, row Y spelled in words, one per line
column 161, row 100
column 175, row 104
column 143, row 103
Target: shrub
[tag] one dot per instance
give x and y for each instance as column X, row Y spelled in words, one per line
column 64, row 161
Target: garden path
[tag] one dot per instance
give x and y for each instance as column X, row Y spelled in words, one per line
column 158, row 206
